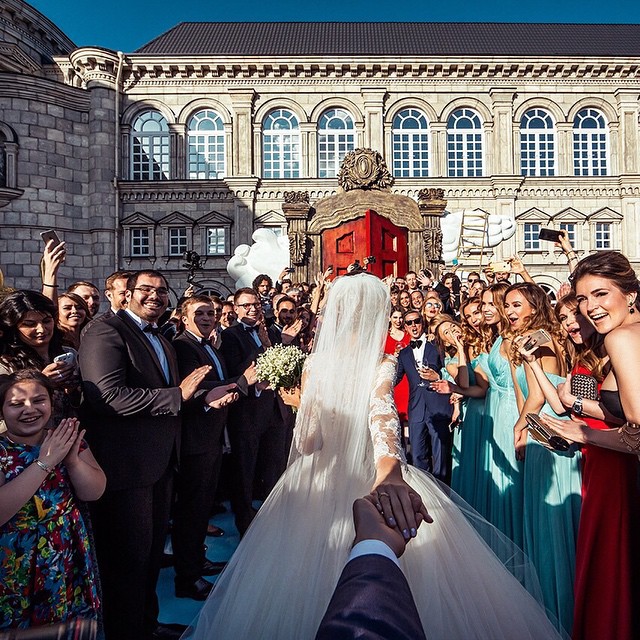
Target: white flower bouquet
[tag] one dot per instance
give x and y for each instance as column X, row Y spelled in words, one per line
column 280, row 366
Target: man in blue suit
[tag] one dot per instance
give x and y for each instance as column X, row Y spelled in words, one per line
column 429, row 412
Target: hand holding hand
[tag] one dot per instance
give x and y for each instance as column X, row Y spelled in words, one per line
column 291, row 397
column 191, row 383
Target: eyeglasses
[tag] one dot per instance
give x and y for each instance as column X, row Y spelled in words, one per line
column 436, row 305
column 411, row 322
column 250, row 305
column 161, row 291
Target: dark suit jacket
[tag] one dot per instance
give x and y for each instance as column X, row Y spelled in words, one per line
column 372, row 601
column 422, row 400
column 202, row 429
column 130, row 411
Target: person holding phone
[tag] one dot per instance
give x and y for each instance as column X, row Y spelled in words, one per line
column 552, row 483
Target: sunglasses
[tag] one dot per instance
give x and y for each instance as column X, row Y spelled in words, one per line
column 411, row 322
column 436, row 305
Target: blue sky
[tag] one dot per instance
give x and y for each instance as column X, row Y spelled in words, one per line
column 128, row 24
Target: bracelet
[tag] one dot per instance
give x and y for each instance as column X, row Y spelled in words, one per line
column 43, row 466
column 630, row 436
column 53, row 286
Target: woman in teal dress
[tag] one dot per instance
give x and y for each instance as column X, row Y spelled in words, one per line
column 552, row 483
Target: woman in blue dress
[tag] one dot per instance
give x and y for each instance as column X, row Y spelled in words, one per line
column 552, row 484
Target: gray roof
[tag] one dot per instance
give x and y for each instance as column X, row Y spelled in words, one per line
column 396, row 39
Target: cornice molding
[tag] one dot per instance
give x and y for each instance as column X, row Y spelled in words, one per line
column 94, row 64
column 13, row 60
column 141, row 70
column 43, row 90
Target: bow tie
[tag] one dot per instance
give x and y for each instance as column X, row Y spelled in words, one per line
column 247, row 328
column 205, row 341
column 154, row 331
column 415, row 344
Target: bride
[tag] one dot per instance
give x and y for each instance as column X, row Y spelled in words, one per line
column 279, row 582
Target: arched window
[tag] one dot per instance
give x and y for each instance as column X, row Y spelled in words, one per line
column 336, row 137
column 464, row 144
column 281, row 145
column 206, row 146
column 590, row 144
column 410, row 144
column 150, row 147
column 537, row 144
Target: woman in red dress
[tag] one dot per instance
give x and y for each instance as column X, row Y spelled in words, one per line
column 397, row 339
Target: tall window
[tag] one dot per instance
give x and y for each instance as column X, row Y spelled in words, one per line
column 281, row 145
column 216, row 241
column 570, row 228
column 177, row 241
column 531, row 240
column 140, row 242
column 537, row 144
column 206, row 146
column 410, row 144
column 603, row 238
column 336, row 137
column 150, row 147
column 590, row 144
column 464, row 144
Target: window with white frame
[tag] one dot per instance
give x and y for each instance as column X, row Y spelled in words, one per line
column 590, row 144
column 206, row 146
column 603, row 235
column 140, row 242
column 537, row 144
column 464, row 144
column 570, row 228
column 281, row 145
column 216, row 241
column 336, row 137
column 177, row 240
column 531, row 239
column 410, row 144
column 150, row 147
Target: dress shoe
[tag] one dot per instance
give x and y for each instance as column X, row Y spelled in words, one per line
column 214, row 531
column 212, row 568
column 168, row 631
column 198, row 590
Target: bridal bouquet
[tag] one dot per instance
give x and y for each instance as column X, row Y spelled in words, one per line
column 280, row 366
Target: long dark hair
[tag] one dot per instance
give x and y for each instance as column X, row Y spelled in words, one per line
column 17, row 354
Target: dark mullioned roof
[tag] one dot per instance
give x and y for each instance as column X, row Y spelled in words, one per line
column 396, row 39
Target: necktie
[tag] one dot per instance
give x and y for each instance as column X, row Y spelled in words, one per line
column 415, row 344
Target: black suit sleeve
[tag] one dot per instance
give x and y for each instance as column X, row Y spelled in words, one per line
column 372, row 601
column 118, row 375
column 236, row 356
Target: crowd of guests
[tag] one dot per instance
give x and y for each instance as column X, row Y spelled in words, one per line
column 145, row 400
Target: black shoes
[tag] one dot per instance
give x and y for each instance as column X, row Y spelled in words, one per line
column 212, row 568
column 168, row 631
column 198, row 590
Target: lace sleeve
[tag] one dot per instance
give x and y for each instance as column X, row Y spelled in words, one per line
column 384, row 424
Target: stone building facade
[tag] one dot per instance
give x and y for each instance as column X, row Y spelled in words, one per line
column 192, row 141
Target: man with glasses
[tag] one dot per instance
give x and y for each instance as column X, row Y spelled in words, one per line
column 255, row 425
column 133, row 396
column 429, row 412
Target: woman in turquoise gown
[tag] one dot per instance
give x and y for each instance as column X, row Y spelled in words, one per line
column 552, row 483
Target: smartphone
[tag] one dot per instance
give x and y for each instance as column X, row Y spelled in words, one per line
column 537, row 339
column 66, row 358
column 500, row 267
column 551, row 235
column 545, row 434
column 50, row 235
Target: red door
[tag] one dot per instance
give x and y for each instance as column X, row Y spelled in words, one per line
column 371, row 235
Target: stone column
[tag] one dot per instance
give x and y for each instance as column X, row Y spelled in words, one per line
column 628, row 116
column 373, row 99
column 438, row 166
column 308, row 150
column 242, row 101
column 431, row 203
column 564, row 149
column 296, row 210
column 502, row 107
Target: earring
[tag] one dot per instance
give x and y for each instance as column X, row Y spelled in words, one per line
column 632, row 305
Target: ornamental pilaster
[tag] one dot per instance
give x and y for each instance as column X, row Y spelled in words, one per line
column 431, row 204
column 296, row 209
column 373, row 101
column 242, row 103
column 502, row 108
column 628, row 133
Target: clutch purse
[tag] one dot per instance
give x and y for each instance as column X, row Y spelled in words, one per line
column 584, row 386
column 545, row 435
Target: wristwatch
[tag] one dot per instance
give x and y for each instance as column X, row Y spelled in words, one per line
column 577, row 406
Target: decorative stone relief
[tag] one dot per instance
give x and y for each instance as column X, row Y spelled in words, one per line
column 298, row 246
column 364, row 169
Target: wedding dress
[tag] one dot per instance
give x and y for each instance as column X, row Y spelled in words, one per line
column 280, row 580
